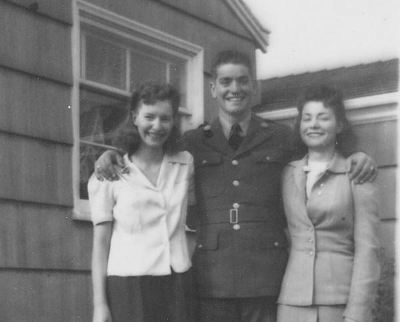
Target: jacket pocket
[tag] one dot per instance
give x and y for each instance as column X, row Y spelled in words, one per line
column 209, row 174
column 273, row 241
column 208, row 240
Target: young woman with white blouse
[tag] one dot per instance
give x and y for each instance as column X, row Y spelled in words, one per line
column 141, row 262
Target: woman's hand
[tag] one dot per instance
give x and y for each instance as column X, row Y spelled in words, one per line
column 101, row 313
column 362, row 168
column 108, row 165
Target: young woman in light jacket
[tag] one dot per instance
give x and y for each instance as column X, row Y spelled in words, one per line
column 140, row 258
column 333, row 269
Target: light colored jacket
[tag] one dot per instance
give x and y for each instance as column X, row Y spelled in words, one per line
column 334, row 240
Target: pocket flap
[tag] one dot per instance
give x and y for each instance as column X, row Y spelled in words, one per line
column 269, row 156
column 274, row 241
column 207, row 159
column 208, row 240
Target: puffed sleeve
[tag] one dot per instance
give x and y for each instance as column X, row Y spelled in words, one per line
column 191, row 192
column 101, row 200
column 366, row 270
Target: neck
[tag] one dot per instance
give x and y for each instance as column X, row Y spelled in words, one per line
column 321, row 156
column 236, row 118
column 148, row 155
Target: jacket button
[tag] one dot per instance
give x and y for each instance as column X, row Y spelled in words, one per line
column 236, row 183
column 236, row 226
column 235, row 162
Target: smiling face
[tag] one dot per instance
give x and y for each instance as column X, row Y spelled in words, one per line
column 233, row 89
column 319, row 127
column 154, row 123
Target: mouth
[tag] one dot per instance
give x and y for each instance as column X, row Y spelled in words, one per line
column 235, row 99
column 314, row 134
column 156, row 135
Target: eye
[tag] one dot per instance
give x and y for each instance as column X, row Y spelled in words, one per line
column 166, row 119
column 244, row 80
column 224, row 81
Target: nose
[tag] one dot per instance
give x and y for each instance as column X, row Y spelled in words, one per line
column 314, row 123
column 156, row 123
column 235, row 86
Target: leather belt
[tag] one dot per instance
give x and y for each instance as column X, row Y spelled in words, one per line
column 243, row 214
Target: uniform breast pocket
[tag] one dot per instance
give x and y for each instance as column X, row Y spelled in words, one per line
column 209, row 175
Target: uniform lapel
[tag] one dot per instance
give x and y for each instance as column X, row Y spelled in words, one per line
column 216, row 139
column 259, row 131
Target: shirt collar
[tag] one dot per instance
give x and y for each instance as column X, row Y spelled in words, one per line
column 179, row 157
column 338, row 164
column 226, row 125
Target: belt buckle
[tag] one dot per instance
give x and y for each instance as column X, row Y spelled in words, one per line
column 233, row 216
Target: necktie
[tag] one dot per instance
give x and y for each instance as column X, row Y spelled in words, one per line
column 234, row 138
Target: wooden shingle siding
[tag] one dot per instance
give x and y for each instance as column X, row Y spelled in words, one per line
column 379, row 140
column 35, row 170
column 215, row 12
column 35, row 44
column 44, row 296
column 43, row 237
column 386, row 182
column 56, row 9
column 35, row 107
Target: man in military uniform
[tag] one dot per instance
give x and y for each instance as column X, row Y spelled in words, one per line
column 241, row 249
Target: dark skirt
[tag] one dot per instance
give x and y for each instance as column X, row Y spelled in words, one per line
column 151, row 298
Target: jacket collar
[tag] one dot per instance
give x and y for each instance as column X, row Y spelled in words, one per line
column 336, row 166
column 258, row 132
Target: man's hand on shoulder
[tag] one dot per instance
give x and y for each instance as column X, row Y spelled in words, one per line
column 108, row 165
column 362, row 168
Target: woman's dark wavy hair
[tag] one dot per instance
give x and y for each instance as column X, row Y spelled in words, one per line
column 127, row 136
column 332, row 98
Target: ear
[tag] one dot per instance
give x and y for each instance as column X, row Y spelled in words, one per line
column 134, row 116
column 212, row 88
column 339, row 128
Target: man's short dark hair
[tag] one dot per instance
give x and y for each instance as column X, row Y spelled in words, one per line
column 230, row 57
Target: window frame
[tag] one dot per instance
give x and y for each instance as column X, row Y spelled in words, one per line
column 87, row 18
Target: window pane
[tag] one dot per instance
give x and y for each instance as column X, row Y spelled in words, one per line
column 146, row 68
column 105, row 63
column 178, row 79
column 100, row 116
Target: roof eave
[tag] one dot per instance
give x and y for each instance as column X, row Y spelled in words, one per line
column 259, row 33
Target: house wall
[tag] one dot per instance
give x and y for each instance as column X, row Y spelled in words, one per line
column 213, row 27
column 44, row 254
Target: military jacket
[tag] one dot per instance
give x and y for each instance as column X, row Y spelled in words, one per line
column 241, row 248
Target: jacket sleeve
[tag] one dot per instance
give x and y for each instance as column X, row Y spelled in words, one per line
column 366, row 270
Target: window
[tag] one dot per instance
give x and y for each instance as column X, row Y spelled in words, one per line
column 114, row 55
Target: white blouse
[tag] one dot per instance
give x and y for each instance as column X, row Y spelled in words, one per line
column 148, row 236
